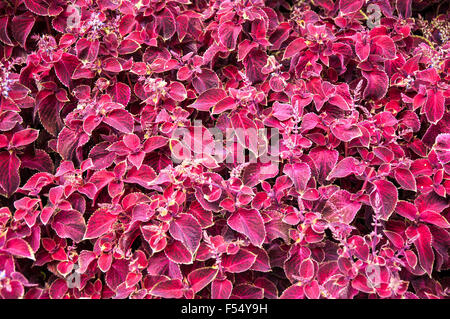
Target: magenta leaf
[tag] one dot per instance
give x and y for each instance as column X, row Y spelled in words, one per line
column 69, row 224
column 9, row 172
column 168, row 289
column 422, row 238
column 99, row 223
column 166, row 24
column 293, row 292
column 294, row 48
column 64, row 68
column 341, row 208
column 406, row 179
column 48, row 110
column 384, row 198
column 186, row 229
column 435, row 105
column 348, row 6
column 299, row 173
column 434, row 218
column 324, row 160
column 346, row 167
column 120, row 93
column 250, row 223
column 178, row 253
column 221, row 289
column 208, row 99
column 254, row 62
column 121, row 120
column 228, row 33
column 22, row 27
column 377, row 84
column 24, row 137
column 239, row 262
column 37, row 6
column 202, row 277
column 58, row 289
column 19, row 247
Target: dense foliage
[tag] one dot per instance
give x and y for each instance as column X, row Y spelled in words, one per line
column 102, row 198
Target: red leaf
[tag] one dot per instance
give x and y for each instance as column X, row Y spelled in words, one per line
column 8, row 120
column 128, row 46
column 404, row 8
column 99, row 223
column 250, row 223
column 346, row 167
column 117, row 274
column 4, row 37
column 306, row 270
column 247, row 291
column 350, row 6
column 422, row 238
column 221, row 289
column 19, row 247
column 120, row 93
column 24, row 137
column 206, row 80
column 178, row 253
column 239, row 262
column 294, row 48
column 22, row 26
column 168, row 289
column 262, row 262
column 177, row 92
column 38, row 7
column 228, row 33
column 299, row 173
column 324, row 160
column 48, row 110
column 64, row 68
column 166, row 24
column 406, row 209
column 121, row 120
column 341, row 208
column 435, row 105
column 387, row 46
column 186, row 229
column 406, row 179
column 58, row 289
column 254, row 62
column 395, row 239
column 434, row 218
column 442, row 148
column 201, row 277
column 377, row 84
column 142, row 176
column 293, row 292
column 208, row 99
column 9, row 172
column 312, row 290
column 225, row 104
column 246, row 132
column 87, row 49
column 345, row 130
column 69, row 224
column 67, row 142
column 384, row 197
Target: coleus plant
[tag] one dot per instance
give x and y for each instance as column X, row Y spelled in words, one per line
column 100, row 197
